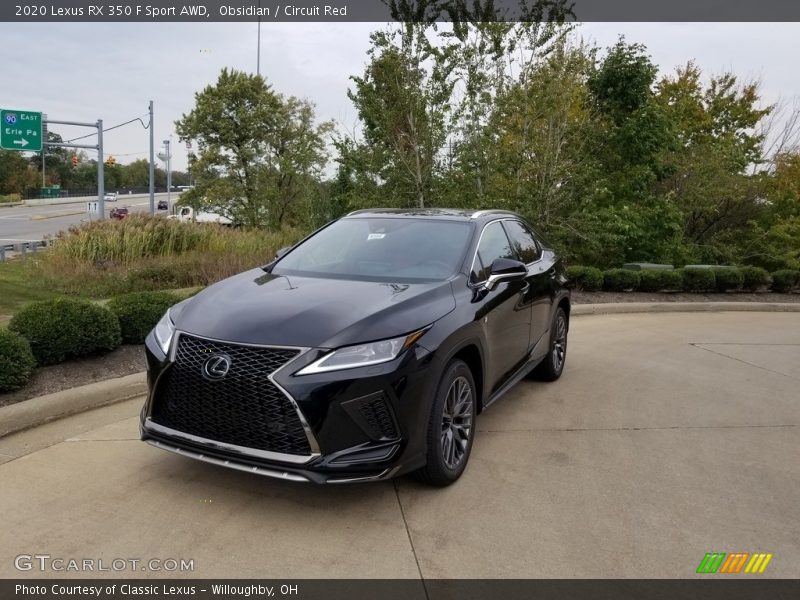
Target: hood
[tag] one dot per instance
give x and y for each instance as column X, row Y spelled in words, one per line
column 260, row 308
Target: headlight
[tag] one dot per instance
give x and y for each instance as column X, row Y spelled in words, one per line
column 163, row 332
column 362, row 355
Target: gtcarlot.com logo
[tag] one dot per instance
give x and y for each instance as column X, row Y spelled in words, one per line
column 45, row 562
column 735, row 562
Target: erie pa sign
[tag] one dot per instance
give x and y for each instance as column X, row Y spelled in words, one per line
column 20, row 130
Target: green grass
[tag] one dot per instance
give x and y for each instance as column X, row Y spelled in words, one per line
column 19, row 285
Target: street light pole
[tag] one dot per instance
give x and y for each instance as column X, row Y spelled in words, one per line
column 152, row 165
column 169, row 173
column 258, row 51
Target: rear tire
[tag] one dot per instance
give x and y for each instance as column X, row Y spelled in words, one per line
column 451, row 426
column 552, row 365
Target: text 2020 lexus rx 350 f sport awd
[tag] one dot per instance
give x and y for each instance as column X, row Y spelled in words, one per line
column 363, row 352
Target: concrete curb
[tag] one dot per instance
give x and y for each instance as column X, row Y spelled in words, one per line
column 662, row 307
column 38, row 411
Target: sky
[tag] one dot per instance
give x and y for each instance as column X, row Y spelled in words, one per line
column 110, row 71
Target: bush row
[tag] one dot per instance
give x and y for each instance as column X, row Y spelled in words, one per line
column 691, row 279
column 52, row 331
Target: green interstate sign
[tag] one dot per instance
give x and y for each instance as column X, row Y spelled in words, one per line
column 20, row 130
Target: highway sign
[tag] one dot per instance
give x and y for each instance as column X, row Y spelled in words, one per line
column 20, row 130
column 91, row 207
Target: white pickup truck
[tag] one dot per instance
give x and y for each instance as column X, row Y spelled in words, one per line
column 186, row 214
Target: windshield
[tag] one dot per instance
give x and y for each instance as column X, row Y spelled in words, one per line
column 381, row 249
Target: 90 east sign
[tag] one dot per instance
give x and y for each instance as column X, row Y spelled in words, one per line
column 20, row 130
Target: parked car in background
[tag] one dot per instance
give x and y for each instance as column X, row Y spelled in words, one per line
column 163, row 205
column 365, row 351
column 110, row 196
column 119, row 213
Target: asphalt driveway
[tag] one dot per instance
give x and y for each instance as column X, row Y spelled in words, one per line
column 669, row 436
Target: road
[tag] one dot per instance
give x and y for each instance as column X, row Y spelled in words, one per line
column 668, row 436
column 27, row 223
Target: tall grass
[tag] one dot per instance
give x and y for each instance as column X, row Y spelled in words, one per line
column 149, row 253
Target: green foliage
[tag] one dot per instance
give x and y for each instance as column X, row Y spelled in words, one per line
column 259, row 153
column 66, row 328
column 785, row 280
column 620, row 280
column 142, row 253
column 754, row 278
column 698, row 280
column 728, row 279
column 586, row 279
column 662, row 280
column 138, row 313
column 16, row 361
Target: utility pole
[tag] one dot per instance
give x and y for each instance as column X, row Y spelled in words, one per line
column 152, row 165
column 44, row 133
column 258, row 51
column 101, row 192
column 168, row 160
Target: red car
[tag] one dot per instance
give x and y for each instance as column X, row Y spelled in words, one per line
column 119, row 213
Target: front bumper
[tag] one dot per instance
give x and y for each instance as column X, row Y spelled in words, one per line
column 345, row 442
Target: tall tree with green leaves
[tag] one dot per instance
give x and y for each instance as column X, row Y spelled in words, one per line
column 257, row 150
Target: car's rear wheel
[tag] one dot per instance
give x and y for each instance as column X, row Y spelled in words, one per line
column 552, row 365
column 451, row 426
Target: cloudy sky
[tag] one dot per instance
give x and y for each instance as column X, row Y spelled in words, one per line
column 82, row 72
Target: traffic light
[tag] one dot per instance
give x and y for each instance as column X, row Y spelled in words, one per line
column 75, row 160
column 111, row 161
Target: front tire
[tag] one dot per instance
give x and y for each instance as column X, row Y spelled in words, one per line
column 451, row 426
column 552, row 365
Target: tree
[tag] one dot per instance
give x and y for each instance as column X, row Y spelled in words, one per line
column 402, row 103
column 16, row 174
column 256, row 149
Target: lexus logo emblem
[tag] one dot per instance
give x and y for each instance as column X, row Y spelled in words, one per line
column 217, row 366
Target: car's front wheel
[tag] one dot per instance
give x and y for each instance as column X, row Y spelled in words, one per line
column 451, row 426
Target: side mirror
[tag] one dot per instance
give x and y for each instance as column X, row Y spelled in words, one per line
column 281, row 252
column 505, row 269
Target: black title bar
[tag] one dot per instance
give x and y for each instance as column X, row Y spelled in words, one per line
column 710, row 588
column 399, row 10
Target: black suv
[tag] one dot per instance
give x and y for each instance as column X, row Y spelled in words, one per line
column 364, row 351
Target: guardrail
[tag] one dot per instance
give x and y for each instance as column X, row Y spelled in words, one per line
column 21, row 248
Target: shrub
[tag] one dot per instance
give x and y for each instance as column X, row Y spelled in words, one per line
column 16, row 361
column 587, row 279
column 785, row 280
column 620, row 280
column 661, row 280
column 138, row 313
column 754, row 278
column 66, row 328
column 698, row 280
column 728, row 278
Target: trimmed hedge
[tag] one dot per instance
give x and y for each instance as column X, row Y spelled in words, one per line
column 620, row 280
column 16, row 361
column 587, row 279
column 659, row 281
column 66, row 328
column 754, row 278
column 139, row 312
column 699, row 280
column 728, row 279
column 785, row 280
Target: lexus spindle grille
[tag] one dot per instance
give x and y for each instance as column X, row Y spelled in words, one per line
column 242, row 407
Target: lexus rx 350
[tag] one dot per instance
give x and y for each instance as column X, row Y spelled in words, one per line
column 364, row 351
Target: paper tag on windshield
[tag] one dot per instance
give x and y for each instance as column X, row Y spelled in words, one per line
column 376, row 236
